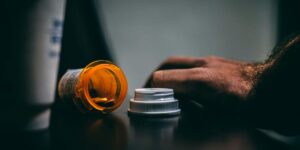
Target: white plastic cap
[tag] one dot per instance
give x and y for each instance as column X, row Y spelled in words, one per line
column 154, row 101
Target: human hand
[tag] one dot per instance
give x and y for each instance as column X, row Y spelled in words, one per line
column 215, row 82
column 265, row 94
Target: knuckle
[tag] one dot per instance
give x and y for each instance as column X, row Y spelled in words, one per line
column 210, row 60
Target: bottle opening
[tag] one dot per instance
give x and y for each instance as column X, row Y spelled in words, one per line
column 104, row 86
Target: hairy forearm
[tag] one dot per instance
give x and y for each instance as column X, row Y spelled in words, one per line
column 273, row 100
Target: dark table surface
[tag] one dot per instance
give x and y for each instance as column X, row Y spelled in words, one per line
column 71, row 130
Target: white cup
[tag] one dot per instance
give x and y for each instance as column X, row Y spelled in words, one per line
column 32, row 63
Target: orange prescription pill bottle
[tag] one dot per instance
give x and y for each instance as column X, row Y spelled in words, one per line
column 100, row 87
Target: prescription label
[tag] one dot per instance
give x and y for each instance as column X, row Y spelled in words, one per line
column 68, row 82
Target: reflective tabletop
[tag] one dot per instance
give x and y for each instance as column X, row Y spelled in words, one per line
column 120, row 131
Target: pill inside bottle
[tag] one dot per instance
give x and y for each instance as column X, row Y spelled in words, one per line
column 100, row 87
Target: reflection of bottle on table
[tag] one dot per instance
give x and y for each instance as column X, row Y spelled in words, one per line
column 107, row 132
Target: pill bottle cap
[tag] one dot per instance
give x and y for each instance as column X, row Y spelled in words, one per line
column 154, row 102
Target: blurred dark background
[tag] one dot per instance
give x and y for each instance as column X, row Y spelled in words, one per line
column 137, row 35
column 141, row 34
column 96, row 29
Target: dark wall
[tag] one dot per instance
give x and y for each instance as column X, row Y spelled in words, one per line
column 83, row 40
column 288, row 18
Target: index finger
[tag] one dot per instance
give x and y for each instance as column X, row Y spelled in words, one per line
column 181, row 80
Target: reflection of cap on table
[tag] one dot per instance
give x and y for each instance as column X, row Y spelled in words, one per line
column 145, row 131
column 154, row 102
